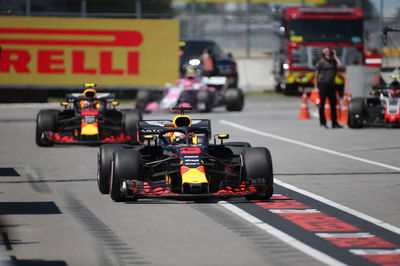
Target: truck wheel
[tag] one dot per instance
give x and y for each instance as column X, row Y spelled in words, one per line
column 46, row 120
column 125, row 165
column 205, row 97
column 257, row 170
column 234, row 100
column 291, row 89
column 143, row 97
column 130, row 120
column 356, row 113
column 104, row 157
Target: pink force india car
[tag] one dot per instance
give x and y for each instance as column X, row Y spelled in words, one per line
column 202, row 94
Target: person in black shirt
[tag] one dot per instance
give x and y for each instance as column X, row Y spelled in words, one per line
column 324, row 82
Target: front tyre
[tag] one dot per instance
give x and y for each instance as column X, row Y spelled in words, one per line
column 46, row 120
column 125, row 165
column 104, row 157
column 257, row 170
column 205, row 101
column 356, row 113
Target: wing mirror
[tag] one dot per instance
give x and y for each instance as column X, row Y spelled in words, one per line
column 65, row 104
column 220, row 137
column 114, row 103
column 148, row 138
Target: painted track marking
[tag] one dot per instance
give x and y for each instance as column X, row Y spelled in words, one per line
column 318, row 255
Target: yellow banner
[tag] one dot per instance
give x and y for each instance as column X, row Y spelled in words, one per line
column 72, row 51
column 316, row 2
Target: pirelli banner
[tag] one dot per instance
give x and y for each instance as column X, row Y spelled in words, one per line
column 72, row 51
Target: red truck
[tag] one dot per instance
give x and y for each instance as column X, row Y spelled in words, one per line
column 304, row 33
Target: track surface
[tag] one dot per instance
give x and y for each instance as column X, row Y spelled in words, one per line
column 51, row 212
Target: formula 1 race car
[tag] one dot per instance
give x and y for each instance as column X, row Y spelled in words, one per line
column 87, row 118
column 381, row 109
column 202, row 94
column 177, row 161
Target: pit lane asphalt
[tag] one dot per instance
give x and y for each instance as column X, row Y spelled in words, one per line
column 53, row 214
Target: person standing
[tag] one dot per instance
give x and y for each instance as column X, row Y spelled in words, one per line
column 324, row 83
column 208, row 60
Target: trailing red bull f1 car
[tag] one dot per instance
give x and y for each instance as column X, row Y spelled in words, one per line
column 176, row 160
column 87, row 118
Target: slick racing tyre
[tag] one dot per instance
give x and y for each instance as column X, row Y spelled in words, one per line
column 356, row 113
column 234, row 100
column 204, row 101
column 257, row 170
column 130, row 119
column 104, row 157
column 125, row 165
column 143, row 97
column 46, row 120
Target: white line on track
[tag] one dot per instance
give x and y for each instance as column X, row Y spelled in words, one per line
column 281, row 235
column 317, row 197
column 310, row 146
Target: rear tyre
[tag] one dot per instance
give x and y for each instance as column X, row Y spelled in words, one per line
column 237, row 147
column 234, row 100
column 291, row 89
column 125, row 165
column 143, row 97
column 356, row 113
column 46, row 120
column 104, row 157
column 205, row 98
column 130, row 120
column 257, row 170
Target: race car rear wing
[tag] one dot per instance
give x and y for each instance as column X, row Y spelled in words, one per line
column 153, row 127
column 106, row 96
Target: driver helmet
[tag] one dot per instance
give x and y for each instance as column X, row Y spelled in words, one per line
column 178, row 137
column 191, row 73
column 89, row 94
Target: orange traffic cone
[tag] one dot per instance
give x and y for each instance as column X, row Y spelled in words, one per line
column 338, row 106
column 327, row 109
column 304, row 110
column 344, row 109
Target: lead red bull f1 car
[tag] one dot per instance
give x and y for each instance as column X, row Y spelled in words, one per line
column 87, row 118
column 177, row 160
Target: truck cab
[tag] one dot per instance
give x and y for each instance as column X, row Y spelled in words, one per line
column 304, row 33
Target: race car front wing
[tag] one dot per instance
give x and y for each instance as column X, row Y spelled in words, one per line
column 160, row 189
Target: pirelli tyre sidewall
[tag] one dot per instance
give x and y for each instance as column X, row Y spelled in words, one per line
column 234, row 99
column 125, row 165
column 356, row 113
column 104, row 157
column 257, row 165
column 46, row 120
